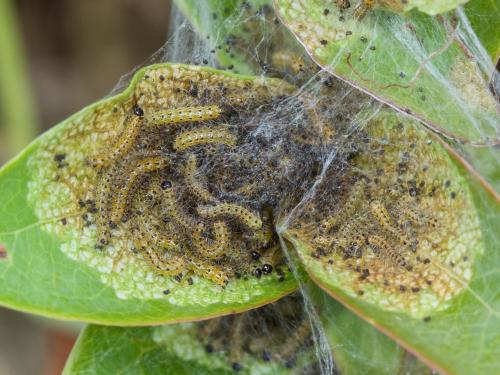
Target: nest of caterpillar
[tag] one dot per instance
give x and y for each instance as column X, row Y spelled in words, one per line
column 393, row 223
column 194, row 186
column 280, row 332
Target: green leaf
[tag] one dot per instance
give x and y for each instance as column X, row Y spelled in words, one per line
column 407, row 241
column 359, row 348
column 412, row 62
column 483, row 17
column 210, row 347
column 114, row 350
column 53, row 262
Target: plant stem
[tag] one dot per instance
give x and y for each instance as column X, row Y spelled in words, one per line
column 18, row 116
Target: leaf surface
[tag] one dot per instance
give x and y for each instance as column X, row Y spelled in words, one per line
column 52, row 263
column 411, row 248
column 414, row 63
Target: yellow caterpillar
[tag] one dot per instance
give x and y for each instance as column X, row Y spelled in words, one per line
column 187, row 114
column 383, row 246
column 384, row 218
column 218, row 247
column 247, row 217
column 192, row 182
column 122, row 145
column 121, row 196
column 208, row 271
column 348, row 208
column 351, row 236
column 103, row 193
column 294, row 342
column 175, row 212
column 204, row 135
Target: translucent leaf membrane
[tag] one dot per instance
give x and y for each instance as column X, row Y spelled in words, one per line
column 274, row 339
column 402, row 234
column 416, row 63
column 151, row 206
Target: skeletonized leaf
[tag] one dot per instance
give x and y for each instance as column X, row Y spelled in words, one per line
column 406, row 240
column 96, row 215
column 415, row 63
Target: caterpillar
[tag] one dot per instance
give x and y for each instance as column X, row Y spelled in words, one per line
column 384, row 218
column 208, row 271
column 382, row 245
column 218, row 247
column 350, row 236
column 187, row 114
column 121, row 197
column 250, row 219
column 204, row 135
column 363, row 7
column 348, row 207
column 265, row 234
column 121, row 146
column 294, row 342
column 175, row 212
column 193, row 184
column 236, row 339
column 102, row 198
column 147, row 247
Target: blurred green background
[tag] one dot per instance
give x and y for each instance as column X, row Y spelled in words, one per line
column 55, row 58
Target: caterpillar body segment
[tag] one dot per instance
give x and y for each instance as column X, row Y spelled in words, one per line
column 177, row 213
column 124, row 143
column 349, row 237
column 295, row 341
column 208, row 271
column 204, row 136
column 250, row 219
column 348, row 208
column 186, row 114
column 103, row 194
column 193, row 182
column 382, row 245
column 236, row 336
column 380, row 213
column 121, row 197
column 213, row 249
column 166, row 267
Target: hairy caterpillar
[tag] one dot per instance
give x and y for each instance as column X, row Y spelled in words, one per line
column 236, row 339
column 192, row 182
column 188, row 114
column 103, row 193
column 382, row 245
column 204, row 135
column 213, row 249
column 247, row 217
column 350, row 237
column 348, row 207
column 124, row 143
column 208, row 271
column 121, row 196
column 363, row 7
column 175, row 212
column 294, row 342
column 383, row 217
